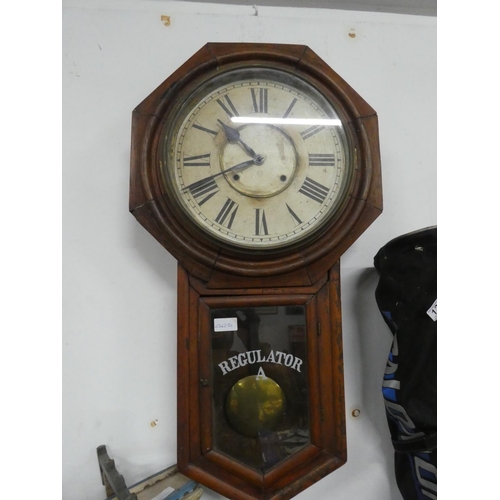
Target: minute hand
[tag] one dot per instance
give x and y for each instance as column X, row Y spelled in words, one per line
column 202, row 182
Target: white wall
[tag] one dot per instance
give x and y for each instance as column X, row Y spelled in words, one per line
column 119, row 308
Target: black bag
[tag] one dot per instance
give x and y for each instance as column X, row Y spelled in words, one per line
column 407, row 298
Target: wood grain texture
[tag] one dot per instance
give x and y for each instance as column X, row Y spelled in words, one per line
column 214, row 275
column 327, row 449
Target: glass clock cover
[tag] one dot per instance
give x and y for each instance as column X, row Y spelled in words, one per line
column 257, row 158
column 260, row 383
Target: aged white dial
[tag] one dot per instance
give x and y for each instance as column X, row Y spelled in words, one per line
column 258, row 159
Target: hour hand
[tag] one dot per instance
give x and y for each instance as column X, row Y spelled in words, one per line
column 233, row 135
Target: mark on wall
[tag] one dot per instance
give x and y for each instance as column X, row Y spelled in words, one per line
column 165, row 20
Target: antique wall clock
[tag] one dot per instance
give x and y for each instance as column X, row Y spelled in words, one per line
column 256, row 166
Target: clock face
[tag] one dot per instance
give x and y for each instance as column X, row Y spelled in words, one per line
column 257, row 158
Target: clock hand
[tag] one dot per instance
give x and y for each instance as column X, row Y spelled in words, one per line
column 233, row 135
column 258, row 160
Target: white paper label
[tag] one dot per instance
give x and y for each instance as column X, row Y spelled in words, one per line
column 226, row 324
column 433, row 311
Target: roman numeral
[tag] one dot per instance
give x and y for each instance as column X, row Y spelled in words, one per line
column 227, row 213
column 230, row 112
column 259, row 99
column 314, row 190
column 260, row 222
column 308, row 132
column 295, row 217
column 289, row 110
column 203, row 190
column 204, row 129
column 321, row 160
column 197, row 161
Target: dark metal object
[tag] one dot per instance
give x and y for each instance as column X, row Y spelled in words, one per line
column 116, row 488
column 113, row 482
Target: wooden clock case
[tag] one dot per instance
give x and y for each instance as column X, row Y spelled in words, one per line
column 214, row 275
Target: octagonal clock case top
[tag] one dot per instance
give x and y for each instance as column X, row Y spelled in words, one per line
column 257, row 166
column 257, row 150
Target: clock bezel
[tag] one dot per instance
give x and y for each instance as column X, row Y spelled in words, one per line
column 187, row 102
column 198, row 252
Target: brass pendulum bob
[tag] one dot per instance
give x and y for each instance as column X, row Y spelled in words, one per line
column 255, row 403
